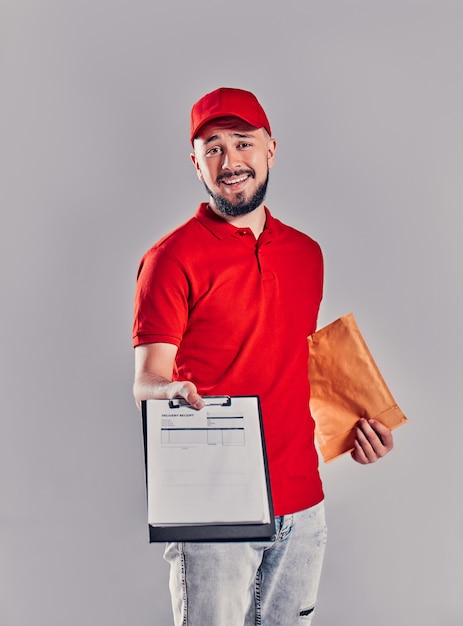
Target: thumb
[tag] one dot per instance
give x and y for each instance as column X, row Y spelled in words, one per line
column 189, row 392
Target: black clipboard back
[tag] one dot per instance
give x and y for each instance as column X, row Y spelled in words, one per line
column 212, row 532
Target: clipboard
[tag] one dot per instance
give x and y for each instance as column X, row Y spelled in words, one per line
column 206, row 471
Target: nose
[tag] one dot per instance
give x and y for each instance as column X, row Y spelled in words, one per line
column 230, row 160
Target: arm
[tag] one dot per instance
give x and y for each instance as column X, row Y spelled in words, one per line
column 373, row 440
column 154, row 363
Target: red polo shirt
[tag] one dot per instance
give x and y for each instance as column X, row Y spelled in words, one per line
column 240, row 311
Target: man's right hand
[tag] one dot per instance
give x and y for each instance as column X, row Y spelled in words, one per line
column 187, row 390
column 154, row 363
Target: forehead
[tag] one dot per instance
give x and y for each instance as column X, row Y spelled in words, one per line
column 224, row 124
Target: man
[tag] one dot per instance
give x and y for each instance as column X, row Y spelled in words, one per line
column 224, row 305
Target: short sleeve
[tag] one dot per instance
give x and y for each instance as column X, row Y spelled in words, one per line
column 161, row 299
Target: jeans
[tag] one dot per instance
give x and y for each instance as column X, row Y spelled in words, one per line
column 267, row 583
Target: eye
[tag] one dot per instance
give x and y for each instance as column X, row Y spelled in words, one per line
column 213, row 151
column 244, row 144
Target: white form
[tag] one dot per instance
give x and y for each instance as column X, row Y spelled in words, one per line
column 206, row 466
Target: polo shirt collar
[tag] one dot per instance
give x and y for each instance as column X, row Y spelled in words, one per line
column 222, row 229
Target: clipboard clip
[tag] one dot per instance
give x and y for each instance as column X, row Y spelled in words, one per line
column 176, row 403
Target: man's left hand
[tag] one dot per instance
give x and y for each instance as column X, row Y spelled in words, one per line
column 373, row 440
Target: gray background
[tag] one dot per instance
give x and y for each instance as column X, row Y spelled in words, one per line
column 366, row 99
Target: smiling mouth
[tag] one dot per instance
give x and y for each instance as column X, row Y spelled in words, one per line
column 235, row 181
column 235, row 178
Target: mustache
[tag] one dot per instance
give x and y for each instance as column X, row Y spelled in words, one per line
column 226, row 175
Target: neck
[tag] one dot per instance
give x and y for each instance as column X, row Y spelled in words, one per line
column 255, row 220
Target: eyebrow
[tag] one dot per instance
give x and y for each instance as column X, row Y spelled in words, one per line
column 238, row 135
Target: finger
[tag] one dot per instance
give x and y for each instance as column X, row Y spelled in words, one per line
column 358, row 454
column 370, row 454
column 383, row 432
column 368, row 435
column 195, row 400
column 189, row 392
column 186, row 390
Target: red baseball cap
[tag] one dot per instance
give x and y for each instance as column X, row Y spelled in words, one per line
column 224, row 102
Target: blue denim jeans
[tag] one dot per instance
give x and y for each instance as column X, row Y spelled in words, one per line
column 271, row 583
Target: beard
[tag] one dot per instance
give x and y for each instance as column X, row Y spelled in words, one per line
column 241, row 206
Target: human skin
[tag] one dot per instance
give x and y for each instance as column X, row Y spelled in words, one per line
column 233, row 158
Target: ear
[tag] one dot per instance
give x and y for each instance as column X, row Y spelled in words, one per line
column 194, row 160
column 271, row 149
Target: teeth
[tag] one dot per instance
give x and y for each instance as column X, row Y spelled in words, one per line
column 235, row 180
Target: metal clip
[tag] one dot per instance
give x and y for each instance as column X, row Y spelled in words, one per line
column 176, row 403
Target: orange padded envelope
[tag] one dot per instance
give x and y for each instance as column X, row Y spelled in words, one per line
column 346, row 384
